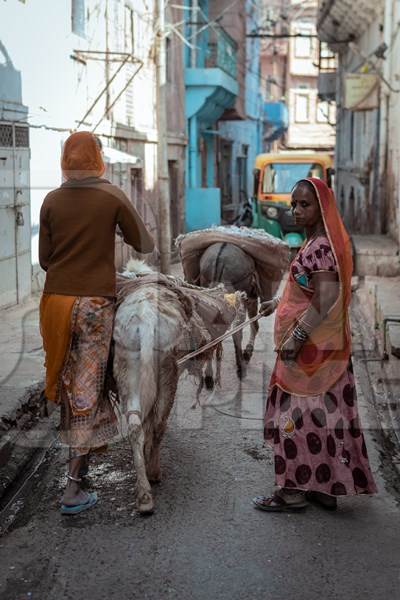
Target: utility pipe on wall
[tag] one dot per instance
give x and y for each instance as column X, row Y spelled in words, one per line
column 193, row 152
column 162, row 146
column 193, row 36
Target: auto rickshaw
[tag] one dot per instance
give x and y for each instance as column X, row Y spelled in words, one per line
column 274, row 178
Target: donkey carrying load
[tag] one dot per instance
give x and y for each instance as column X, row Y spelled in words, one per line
column 242, row 259
column 159, row 320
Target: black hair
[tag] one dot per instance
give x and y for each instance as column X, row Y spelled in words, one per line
column 304, row 182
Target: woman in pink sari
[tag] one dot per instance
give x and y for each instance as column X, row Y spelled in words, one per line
column 311, row 419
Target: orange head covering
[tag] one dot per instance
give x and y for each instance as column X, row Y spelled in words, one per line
column 82, row 157
column 325, row 355
column 336, row 233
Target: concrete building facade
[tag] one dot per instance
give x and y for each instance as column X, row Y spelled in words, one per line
column 240, row 139
column 223, row 109
column 368, row 147
column 289, row 72
column 15, row 227
column 95, row 70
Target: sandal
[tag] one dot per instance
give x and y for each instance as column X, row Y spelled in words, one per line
column 324, row 500
column 75, row 509
column 276, row 503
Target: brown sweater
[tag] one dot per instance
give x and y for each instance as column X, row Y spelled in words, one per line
column 77, row 236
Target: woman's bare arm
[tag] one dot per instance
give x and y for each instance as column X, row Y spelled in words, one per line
column 326, row 292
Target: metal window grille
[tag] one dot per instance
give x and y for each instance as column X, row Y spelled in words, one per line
column 21, row 137
column 6, row 135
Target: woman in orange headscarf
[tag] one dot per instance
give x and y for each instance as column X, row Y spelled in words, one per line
column 311, row 418
column 76, row 249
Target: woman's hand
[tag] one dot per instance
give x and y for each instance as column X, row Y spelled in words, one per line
column 268, row 307
column 290, row 350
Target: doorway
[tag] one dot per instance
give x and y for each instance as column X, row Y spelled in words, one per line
column 15, row 223
column 174, row 201
column 225, row 180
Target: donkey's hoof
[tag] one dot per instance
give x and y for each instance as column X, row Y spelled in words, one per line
column 241, row 373
column 209, row 382
column 154, row 477
column 247, row 354
column 145, row 504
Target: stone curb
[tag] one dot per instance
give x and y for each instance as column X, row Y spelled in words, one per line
column 374, row 297
column 381, row 300
column 22, row 432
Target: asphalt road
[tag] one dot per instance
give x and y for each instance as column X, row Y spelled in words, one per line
column 205, row 540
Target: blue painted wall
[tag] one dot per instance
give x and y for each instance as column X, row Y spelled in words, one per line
column 210, row 88
column 249, row 131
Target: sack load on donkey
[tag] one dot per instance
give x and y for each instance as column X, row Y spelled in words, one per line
column 242, row 259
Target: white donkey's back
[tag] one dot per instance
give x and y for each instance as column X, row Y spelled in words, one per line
column 149, row 328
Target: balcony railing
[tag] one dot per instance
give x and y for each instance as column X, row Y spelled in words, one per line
column 221, row 51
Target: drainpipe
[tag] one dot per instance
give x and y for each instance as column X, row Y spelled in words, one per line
column 386, row 94
column 162, row 144
column 193, row 151
column 376, row 209
column 195, row 16
column 339, row 121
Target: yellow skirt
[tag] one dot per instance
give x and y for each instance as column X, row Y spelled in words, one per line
column 77, row 333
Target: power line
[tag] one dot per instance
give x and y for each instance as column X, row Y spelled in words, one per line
column 282, row 35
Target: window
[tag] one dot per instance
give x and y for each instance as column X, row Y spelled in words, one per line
column 128, row 30
column 303, row 45
column 280, row 178
column 302, row 108
column 325, row 51
column 78, row 17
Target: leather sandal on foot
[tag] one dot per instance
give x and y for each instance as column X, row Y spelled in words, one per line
column 324, row 500
column 75, row 509
column 276, row 503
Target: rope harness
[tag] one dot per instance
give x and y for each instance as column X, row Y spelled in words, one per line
column 217, row 340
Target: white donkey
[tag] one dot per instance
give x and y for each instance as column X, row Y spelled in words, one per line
column 154, row 326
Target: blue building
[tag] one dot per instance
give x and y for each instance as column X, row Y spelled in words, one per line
column 223, row 108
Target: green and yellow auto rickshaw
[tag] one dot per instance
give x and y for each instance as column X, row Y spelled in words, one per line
column 274, row 177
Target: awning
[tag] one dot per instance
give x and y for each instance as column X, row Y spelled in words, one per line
column 340, row 20
column 113, row 156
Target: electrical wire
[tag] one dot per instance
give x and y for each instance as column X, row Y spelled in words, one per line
column 215, row 20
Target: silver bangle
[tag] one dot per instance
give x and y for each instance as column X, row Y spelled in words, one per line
column 305, row 326
column 299, row 334
column 76, row 479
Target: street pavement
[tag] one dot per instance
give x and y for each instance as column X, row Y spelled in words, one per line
column 205, row 540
